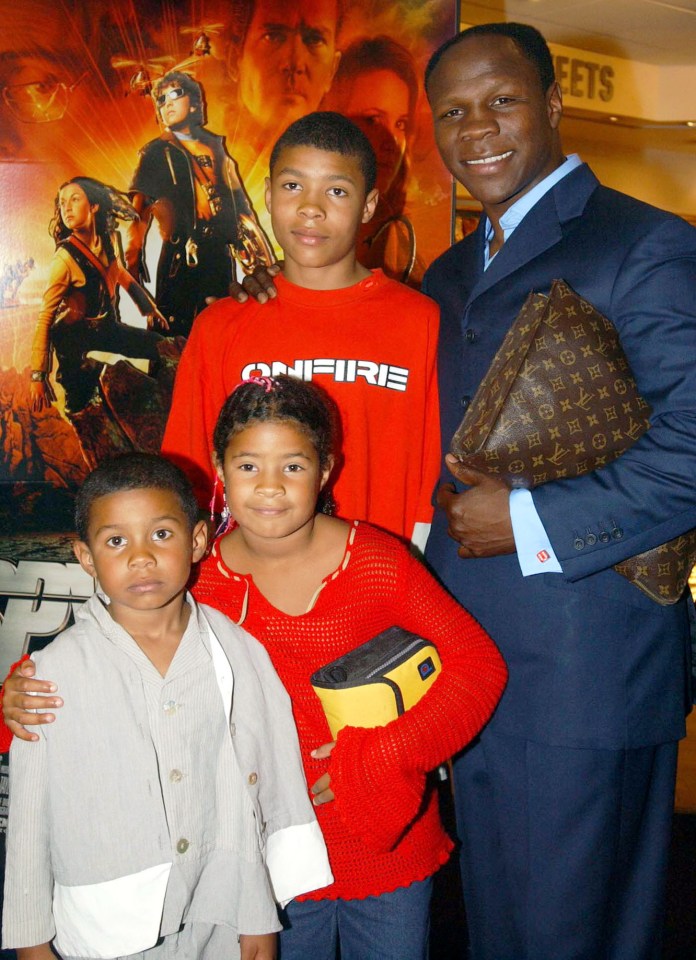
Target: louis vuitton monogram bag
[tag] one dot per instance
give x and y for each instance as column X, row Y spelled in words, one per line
column 559, row 400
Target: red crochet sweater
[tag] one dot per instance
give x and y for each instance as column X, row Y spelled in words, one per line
column 382, row 832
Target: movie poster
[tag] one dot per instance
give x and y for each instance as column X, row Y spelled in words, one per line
column 89, row 346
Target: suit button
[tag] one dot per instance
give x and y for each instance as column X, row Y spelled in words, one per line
column 182, row 845
column 578, row 543
column 465, row 401
column 470, row 335
column 604, row 537
column 252, row 778
column 590, row 539
column 617, row 533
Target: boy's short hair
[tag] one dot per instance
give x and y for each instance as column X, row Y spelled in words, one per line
column 133, row 471
column 528, row 40
column 326, row 130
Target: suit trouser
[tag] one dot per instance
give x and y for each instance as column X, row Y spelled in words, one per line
column 564, row 851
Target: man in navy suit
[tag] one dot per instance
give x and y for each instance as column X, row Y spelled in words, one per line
column 564, row 803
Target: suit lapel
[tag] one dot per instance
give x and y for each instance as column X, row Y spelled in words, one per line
column 541, row 229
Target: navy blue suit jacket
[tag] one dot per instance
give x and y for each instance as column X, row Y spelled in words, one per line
column 592, row 660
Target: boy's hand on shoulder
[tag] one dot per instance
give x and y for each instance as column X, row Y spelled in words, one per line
column 259, row 285
column 17, row 700
column 263, row 946
column 321, row 791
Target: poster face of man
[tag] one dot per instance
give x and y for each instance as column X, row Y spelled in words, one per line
column 43, row 81
column 288, row 59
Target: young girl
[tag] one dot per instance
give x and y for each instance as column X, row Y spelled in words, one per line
column 311, row 588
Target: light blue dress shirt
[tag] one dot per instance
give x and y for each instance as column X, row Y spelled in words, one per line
column 534, row 551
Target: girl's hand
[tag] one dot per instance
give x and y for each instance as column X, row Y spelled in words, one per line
column 321, row 791
column 263, row 946
column 16, row 701
column 41, row 395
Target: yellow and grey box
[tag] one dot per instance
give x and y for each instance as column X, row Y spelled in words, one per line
column 378, row 681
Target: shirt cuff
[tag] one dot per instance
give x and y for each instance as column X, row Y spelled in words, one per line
column 419, row 537
column 534, row 551
column 297, row 861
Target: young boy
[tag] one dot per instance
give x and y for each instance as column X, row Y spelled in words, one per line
column 167, row 809
column 369, row 341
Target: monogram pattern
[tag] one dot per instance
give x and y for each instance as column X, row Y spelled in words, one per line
column 662, row 572
column 559, row 400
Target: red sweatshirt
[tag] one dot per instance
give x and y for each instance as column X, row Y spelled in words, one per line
column 371, row 346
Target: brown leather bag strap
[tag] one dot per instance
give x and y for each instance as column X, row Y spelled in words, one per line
column 89, row 254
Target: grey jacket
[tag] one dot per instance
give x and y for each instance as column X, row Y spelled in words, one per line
column 90, row 851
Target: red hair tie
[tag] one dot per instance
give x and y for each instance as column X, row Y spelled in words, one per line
column 268, row 382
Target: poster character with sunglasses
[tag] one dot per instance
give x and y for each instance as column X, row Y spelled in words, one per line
column 187, row 181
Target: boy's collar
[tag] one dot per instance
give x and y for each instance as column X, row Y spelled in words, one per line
column 308, row 295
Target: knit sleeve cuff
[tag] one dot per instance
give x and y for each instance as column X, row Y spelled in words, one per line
column 375, row 798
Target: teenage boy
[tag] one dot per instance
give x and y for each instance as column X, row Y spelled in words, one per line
column 168, row 807
column 368, row 340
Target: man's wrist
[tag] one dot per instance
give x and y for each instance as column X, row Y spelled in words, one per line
column 534, row 550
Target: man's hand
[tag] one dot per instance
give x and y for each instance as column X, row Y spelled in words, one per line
column 478, row 518
column 16, row 701
column 321, row 791
column 258, row 285
column 262, row 946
